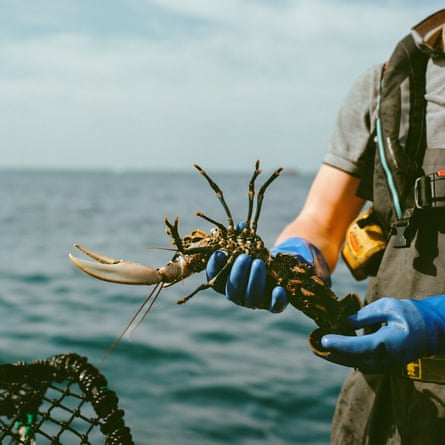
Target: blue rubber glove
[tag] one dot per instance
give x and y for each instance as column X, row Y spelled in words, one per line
column 307, row 253
column 410, row 329
column 245, row 284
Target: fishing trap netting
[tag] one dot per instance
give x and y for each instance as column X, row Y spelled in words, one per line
column 62, row 400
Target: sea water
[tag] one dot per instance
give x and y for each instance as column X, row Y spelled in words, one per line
column 206, row 372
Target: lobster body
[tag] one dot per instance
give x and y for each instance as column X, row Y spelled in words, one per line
column 306, row 291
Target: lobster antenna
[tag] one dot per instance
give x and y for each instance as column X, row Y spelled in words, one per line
column 251, row 192
column 260, row 197
column 219, row 194
column 155, row 291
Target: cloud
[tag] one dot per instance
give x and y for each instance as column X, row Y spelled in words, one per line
column 160, row 84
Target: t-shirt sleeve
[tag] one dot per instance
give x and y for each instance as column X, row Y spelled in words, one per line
column 352, row 147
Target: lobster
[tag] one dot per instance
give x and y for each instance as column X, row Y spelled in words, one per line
column 305, row 290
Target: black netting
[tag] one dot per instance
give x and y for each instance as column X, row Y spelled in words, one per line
column 62, row 400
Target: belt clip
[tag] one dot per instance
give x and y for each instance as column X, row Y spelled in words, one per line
column 426, row 369
column 413, row 370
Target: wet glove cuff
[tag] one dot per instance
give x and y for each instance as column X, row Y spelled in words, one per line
column 432, row 310
column 306, row 252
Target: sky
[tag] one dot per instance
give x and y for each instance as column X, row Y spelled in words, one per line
column 163, row 84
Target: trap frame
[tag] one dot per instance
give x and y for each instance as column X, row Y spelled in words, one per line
column 62, row 400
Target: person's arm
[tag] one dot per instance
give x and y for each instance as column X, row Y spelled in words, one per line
column 409, row 329
column 330, row 207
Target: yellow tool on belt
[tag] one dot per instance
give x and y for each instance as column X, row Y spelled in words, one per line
column 364, row 245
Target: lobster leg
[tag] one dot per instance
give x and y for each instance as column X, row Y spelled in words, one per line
column 251, row 193
column 260, row 197
column 219, row 194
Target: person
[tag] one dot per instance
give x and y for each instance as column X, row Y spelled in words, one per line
column 396, row 390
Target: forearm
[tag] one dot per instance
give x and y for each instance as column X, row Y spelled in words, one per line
column 330, row 207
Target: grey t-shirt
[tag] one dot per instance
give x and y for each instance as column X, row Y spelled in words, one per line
column 351, row 147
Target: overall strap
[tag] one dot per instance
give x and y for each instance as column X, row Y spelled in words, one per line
column 399, row 160
column 398, row 166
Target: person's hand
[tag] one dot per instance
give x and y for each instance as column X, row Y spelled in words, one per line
column 409, row 329
column 245, row 283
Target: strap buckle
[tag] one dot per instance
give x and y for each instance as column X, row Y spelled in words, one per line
column 404, row 229
column 400, row 231
column 429, row 191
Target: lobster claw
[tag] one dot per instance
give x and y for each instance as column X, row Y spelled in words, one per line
column 115, row 271
column 348, row 305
